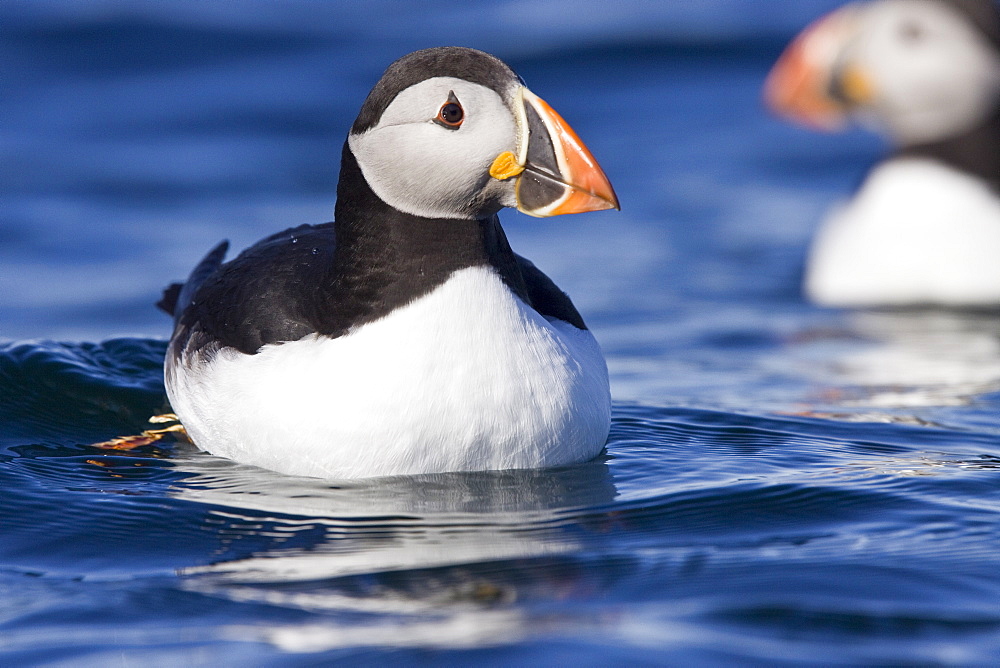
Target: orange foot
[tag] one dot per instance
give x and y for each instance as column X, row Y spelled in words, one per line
column 146, row 437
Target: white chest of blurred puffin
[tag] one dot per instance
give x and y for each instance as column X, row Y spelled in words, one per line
column 406, row 337
column 924, row 228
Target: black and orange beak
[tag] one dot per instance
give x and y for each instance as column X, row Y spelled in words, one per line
column 813, row 83
column 555, row 171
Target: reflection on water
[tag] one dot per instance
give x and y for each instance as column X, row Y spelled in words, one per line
column 386, row 524
column 435, row 555
column 920, row 358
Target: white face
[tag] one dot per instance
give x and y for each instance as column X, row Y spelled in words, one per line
column 419, row 166
column 933, row 73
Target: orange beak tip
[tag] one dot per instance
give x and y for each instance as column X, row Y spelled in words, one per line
column 585, row 186
column 797, row 86
column 580, row 200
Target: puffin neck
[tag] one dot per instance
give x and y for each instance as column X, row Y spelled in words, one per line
column 385, row 258
column 976, row 152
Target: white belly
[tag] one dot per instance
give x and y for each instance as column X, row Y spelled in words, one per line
column 465, row 378
column 916, row 232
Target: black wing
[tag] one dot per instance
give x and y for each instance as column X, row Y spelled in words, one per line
column 262, row 296
column 546, row 297
column 181, row 294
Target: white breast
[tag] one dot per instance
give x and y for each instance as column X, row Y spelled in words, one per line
column 465, row 378
column 917, row 232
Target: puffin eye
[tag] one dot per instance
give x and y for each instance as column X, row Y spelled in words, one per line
column 911, row 32
column 451, row 114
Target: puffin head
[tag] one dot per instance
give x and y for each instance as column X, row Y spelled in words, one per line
column 917, row 70
column 452, row 132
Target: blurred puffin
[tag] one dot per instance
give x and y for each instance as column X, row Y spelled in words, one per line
column 405, row 337
column 924, row 228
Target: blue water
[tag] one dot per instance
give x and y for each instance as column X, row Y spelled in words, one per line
column 784, row 485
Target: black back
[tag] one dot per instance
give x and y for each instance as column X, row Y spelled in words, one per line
column 328, row 278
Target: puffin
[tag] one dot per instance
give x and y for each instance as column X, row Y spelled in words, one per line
column 406, row 336
column 923, row 229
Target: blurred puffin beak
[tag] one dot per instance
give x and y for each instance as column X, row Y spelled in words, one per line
column 813, row 83
column 555, row 172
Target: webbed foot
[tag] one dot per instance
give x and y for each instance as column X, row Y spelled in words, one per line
column 148, row 436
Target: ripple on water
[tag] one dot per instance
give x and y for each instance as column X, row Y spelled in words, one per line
column 694, row 524
column 57, row 393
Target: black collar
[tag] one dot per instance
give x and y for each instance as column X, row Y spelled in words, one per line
column 385, row 258
column 976, row 152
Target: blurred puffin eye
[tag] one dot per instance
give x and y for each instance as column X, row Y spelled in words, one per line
column 911, row 32
column 451, row 114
